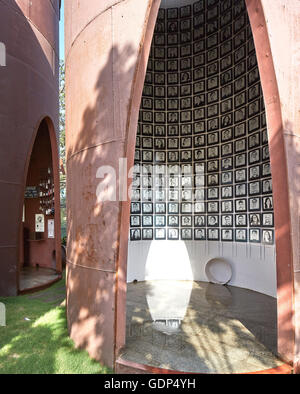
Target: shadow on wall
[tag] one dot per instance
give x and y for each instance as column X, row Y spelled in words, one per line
column 94, row 226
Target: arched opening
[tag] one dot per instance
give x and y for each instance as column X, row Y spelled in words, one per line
column 185, row 72
column 39, row 258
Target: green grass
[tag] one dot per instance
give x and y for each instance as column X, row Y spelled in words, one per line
column 41, row 345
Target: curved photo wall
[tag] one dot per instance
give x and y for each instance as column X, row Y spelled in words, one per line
column 202, row 170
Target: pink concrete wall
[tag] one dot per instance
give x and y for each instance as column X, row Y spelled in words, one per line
column 103, row 53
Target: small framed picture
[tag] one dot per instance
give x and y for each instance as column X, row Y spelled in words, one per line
column 268, row 237
column 135, row 221
column 227, row 164
column 199, row 168
column 254, row 172
column 173, row 233
column 213, row 220
column 254, row 235
column 227, row 192
column 254, row 219
column 241, row 205
column 160, row 233
column 213, row 207
column 254, row 156
column 213, row 180
column 227, row 235
column 268, row 203
column 240, row 175
column 213, row 166
column 147, row 234
column 200, row 194
column 226, row 178
column 240, row 145
column 186, row 207
column 227, row 220
column 240, row 130
column 213, row 234
column 213, row 193
column 147, row 208
column 241, row 235
column 200, row 234
column 135, row 234
column 240, row 160
column 254, row 204
column 227, row 206
column 254, row 188
column 187, row 234
column 266, row 169
column 199, row 220
column 199, row 207
column 241, row 220
column 173, row 221
column 160, row 208
column 268, row 220
column 241, row 190
column 160, row 221
column 147, row 221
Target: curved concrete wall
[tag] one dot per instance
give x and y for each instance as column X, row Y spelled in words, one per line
column 28, row 93
column 106, row 64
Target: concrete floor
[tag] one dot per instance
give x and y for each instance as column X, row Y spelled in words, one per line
column 200, row 327
column 31, row 277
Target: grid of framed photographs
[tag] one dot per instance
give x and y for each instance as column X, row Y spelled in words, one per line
column 202, row 169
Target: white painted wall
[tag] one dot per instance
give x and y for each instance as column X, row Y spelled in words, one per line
column 254, row 266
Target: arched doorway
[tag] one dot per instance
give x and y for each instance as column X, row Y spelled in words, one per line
column 39, row 245
column 281, row 207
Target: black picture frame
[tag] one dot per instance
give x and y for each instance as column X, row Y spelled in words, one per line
column 227, row 235
column 135, row 234
column 254, row 219
column 160, row 234
column 173, row 234
column 227, row 192
column 240, row 235
column 227, row 220
column 255, row 235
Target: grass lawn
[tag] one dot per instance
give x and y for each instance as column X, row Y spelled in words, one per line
column 35, row 339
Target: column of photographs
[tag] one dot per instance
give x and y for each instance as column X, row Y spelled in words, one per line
column 202, row 169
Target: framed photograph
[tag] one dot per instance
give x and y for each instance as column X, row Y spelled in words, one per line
column 254, row 156
column 172, row 13
column 240, row 175
column 227, row 235
column 254, row 235
column 213, row 234
column 268, row 220
column 254, row 140
column 199, row 154
column 227, row 220
column 241, row 220
column 226, row 178
column 254, row 219
column 186, row 207
column 147, row 195
column 213, row 152
column 253, row 124
column 173, row 78
column 186, row 221
column 135, row 234
column 187, row 234
column 265, row 153
column 254, row 172
column 135, row 221
column 213, row 166
column 254, row 204
column 198, row 141
column 227, row 164
column 173, row 221
column 199, row 207
column 186, row 195
column 199, row 168
column 241, row 235
column 186, row 156
column 253, row 76
column 267, row 186
column 240, row 130
column 240, row 53
column 160, row 195
column 135, row 208
column 227, row 192
column 199, row 127
column 267, row 203
column 253, row 92
column 213, row 207
column 213, row 180
column 268, row 237
column 241, row 190
column 147, row 220
column 185, row 50
column 240, row 100
column 173, row 143
column 227, row 206
column 160, row 221
column 266, row 169
column 173, row 157
column 213, row 220
column 173, row 130
column 147, row 234
column 173, row 104
column 147, row 208
column 226, row 91
column 199, row 220
column 241, row 205
column 200, row 194
column 226, row 61
column 240, row 160
column 226, row 120
column 172, row 52
column 173, row 195
column 199, row 180
column 254, row 188
column 200, row 234
column 239, row 84
column 135, row 194
column 160, row 233
column 186, row 142
column 227, row 149
column 173, row 117
column 147, row 143
column 173, row 233
column 160, row 208
column 186, row 169
column 160, row 157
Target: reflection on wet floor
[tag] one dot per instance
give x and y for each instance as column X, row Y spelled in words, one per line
column 200, row 327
